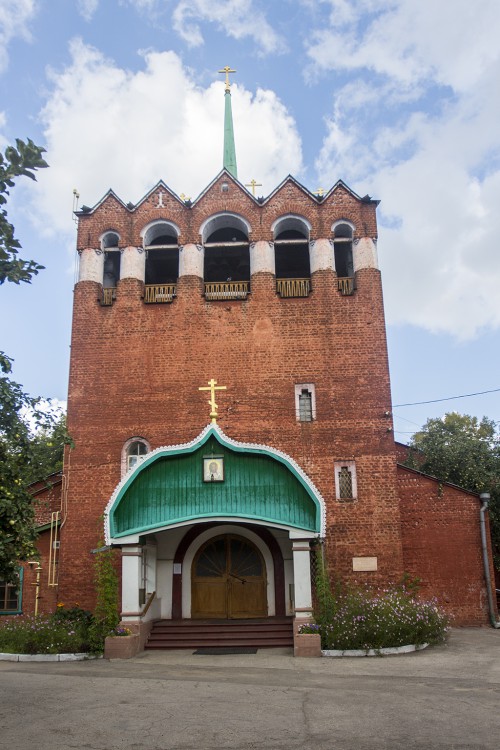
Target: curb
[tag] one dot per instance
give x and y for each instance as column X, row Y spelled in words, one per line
column 375, row 651
column 48, row 657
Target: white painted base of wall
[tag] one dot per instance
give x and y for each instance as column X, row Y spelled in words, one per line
column 48, row 657
column 375, row 652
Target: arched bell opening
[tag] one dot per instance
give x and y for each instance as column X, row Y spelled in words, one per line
column 226, row 268
column 342, row 248
column 161, row 243
column 291, row 250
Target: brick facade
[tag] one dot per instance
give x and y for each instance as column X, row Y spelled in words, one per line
column 136, row 369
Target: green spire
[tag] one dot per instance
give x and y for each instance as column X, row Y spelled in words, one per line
column 229, row 158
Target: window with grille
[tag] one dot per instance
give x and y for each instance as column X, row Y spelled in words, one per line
column 10, row 596
column 345, row 483
column 305, row 406
column 305, row 402
column 345, row 480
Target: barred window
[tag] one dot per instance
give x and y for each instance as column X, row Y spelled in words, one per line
column 305, row 402
column 345, row 483
column 345, row 480
column 305, row 406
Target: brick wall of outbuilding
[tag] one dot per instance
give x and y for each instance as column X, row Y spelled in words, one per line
column 441, row 538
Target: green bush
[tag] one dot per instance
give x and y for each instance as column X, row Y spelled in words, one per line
column 73, row 614
column 361, row 618
column 44, row 634
column 106, row 614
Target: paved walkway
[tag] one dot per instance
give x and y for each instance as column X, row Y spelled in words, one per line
column 444, row 697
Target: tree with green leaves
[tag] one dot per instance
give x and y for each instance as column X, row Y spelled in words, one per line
column 46, row 451
column 17, row 532
column 465, row 451
column 21, row 161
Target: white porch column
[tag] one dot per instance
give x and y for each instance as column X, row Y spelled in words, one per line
column 302, row 576
column 133, row 263
column 131, row 580
column 91, row 266
column 191, row 260
column 262, row 258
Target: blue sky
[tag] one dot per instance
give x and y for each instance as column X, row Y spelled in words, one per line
column 399, row 98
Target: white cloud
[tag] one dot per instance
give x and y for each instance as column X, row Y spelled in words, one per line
column 15, row 16
column 422, row 135
column 109, row 127
column 3, row 140
column 239, row 19
column 410, row 40
column 87, row 8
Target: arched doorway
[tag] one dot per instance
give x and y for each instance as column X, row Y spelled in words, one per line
column 228, row 580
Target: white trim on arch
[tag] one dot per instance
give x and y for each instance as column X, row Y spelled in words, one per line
column 343, row 221
column 103, row 237
column 158, row 222
column 222, row 220
column 295, row 219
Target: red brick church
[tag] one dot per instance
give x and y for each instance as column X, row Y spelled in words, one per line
column 229, row 402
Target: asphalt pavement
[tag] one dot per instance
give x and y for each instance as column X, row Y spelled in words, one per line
column 444, row 697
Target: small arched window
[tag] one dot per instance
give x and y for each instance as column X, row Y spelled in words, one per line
column 134, row 451
column 291, row 252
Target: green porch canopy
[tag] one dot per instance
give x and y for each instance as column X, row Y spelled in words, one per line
column 170, row 487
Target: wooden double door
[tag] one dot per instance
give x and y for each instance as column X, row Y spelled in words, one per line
column 228, row 580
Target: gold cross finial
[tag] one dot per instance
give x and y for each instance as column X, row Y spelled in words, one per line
column 227, row 70
column 319, row 192
column 212, row 387
column 253, row 184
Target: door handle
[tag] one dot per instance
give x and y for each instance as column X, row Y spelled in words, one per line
column 239, row 579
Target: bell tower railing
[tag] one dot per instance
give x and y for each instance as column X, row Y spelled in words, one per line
column 293, row 287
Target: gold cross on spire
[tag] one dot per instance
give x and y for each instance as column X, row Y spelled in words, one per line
column 212, row 387
column 319, row 192
column 227, row 70
column 253, row 184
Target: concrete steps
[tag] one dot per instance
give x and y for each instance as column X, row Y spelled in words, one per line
column 260, row 633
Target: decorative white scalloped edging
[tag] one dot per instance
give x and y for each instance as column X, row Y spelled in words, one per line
column 49, row 657
column 375, row 651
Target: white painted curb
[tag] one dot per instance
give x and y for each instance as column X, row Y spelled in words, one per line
column 49, row 657
column 375, row 651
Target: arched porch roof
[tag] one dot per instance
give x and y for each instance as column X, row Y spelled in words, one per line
column 168, row 488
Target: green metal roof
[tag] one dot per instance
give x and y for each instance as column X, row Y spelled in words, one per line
column 168, row 488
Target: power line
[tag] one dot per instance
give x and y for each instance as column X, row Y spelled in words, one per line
column 450, row 398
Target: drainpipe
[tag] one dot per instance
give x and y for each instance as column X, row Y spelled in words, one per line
column 485, row 497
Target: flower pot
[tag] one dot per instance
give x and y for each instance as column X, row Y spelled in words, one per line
column 121, row 646
column 307, row 644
